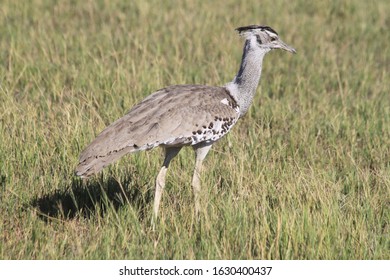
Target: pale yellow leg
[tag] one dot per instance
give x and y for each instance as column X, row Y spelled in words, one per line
column 170, row 153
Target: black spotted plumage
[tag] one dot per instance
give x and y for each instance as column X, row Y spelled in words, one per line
column 176, row 115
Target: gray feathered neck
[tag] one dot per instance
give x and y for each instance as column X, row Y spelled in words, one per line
column 245, row 83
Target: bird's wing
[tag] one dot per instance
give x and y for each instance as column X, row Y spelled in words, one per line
column 174, row 116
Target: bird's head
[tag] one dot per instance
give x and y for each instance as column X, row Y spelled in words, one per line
column 264, row 37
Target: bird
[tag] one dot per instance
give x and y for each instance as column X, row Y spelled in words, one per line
column 184, row 115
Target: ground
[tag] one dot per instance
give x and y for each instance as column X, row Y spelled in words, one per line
column 305, row 175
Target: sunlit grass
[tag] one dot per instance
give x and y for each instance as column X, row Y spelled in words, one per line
column 305, row 175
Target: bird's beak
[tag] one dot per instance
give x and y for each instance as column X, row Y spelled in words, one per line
column 282, row 45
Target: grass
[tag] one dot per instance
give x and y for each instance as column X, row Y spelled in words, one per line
column 305, row 175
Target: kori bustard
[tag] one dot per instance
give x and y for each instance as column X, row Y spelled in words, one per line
column 184, row 115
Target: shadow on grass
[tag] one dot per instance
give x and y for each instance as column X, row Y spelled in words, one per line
column 90, row 198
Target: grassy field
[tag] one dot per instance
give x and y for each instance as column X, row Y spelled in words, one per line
column 305, row 175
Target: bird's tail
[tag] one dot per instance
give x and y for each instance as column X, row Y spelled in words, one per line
column 93, row 164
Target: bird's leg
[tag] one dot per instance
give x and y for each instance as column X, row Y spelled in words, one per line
column 200, row 154
column 170, row 153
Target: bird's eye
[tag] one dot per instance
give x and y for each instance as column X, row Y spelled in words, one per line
column 273, row 39
column 259, row 39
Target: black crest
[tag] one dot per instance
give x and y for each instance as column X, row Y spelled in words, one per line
column 251, row 27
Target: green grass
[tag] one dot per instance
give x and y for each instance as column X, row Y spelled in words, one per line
column 305, row 175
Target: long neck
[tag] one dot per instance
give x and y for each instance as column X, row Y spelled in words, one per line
column 244, row 85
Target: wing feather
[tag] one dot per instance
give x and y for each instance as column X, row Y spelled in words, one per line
column 173, row 116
